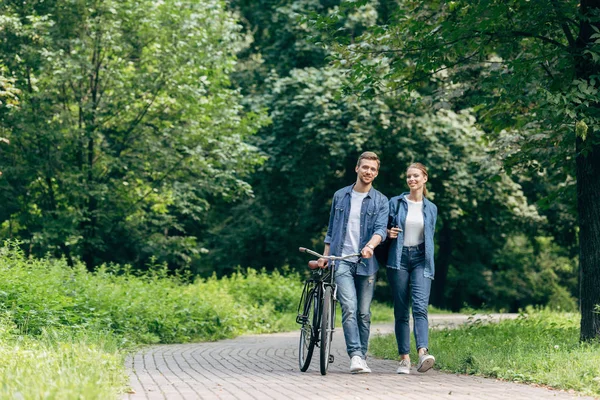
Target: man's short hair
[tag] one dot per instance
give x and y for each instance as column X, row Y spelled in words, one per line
column 368, row 155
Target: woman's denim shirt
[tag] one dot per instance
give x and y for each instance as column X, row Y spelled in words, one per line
column 373, row 220
column 398, row 211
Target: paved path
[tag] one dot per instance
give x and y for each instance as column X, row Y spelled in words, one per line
column 266, row 367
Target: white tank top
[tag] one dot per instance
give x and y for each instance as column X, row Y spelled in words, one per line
column 414, row 225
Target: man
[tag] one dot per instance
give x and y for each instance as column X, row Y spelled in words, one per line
column 357, row 224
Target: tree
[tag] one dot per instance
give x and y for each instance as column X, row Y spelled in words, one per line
column 528, row 68
column 127, row 124
column 312, row 145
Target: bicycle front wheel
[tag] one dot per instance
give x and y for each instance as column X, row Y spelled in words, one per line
column 308, row 337
column 327, row 327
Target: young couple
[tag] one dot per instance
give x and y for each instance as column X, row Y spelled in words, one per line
column 362, row 218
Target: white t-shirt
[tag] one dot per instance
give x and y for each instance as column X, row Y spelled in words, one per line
column 352, row 239
column 414, row 225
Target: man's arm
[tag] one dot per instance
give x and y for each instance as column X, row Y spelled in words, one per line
column 326, row 250
column 380, row 229
column 369, row 249
column 381, row 221
column 330, row 225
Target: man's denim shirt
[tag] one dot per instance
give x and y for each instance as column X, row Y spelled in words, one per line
column 398, row 211
column 373, row 220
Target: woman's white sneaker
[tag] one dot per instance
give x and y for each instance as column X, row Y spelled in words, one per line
column 404, row 367
column 426, row 361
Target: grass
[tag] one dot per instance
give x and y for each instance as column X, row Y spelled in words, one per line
column 60, row 365
column 64, row 332
column 539, row 347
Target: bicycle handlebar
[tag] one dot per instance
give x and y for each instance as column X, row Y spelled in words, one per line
column 333, row 258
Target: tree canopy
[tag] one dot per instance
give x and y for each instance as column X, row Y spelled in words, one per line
column 529, row 69
column 126, row 126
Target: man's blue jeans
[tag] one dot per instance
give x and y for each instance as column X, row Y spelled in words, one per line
column 409, row 282
column 355, row 292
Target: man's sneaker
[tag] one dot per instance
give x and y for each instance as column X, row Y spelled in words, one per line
column 404, row 367
column 426, row 361
column 366, row 369
column 356, row 365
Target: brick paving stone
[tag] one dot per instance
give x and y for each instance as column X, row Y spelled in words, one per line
column 266, row 367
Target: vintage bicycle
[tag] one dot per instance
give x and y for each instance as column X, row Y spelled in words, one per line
column 316, row 311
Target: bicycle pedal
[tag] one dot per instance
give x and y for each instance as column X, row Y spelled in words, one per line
column 331, row 359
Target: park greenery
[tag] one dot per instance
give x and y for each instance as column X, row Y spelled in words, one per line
column 211, row 136
column 147, row 145
column 539, row 347
column 65, row 331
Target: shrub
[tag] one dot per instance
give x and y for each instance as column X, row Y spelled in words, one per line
column 151, row 308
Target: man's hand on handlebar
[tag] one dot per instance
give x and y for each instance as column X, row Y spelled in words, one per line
column 366, row 252
column 323, row 262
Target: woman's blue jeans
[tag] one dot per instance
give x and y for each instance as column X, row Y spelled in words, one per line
column 408, row 282
column 355, row 292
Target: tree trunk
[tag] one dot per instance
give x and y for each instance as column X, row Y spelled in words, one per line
column 588, row 188
column 89, row 231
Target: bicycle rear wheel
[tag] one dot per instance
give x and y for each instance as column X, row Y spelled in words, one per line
column 327, row 327
column 308, row 336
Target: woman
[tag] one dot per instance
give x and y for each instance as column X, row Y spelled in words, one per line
column 410, row 265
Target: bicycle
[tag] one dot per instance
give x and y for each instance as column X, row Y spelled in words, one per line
column 316, row 312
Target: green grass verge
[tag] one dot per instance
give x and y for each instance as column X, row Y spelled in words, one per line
column 539, row 347
column 64, row 332
column 59, row 364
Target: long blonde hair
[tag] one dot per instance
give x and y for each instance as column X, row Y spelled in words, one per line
column 421, row 168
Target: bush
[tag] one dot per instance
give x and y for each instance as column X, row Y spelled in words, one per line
column 150, row 308
column 62, row 329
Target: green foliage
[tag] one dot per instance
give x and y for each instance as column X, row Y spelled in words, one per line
column 9, row 95
column 133, row 139
column 60, row 364
column 261, row 289
column 539, row 347
column 149, row 308
column 537, row 281
column 319, row 127
column 277, row 40
column 511, row 63
column 63, row 330
column 312, row 146
column 522, row 86
column 127, row 127
column 524, row 271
